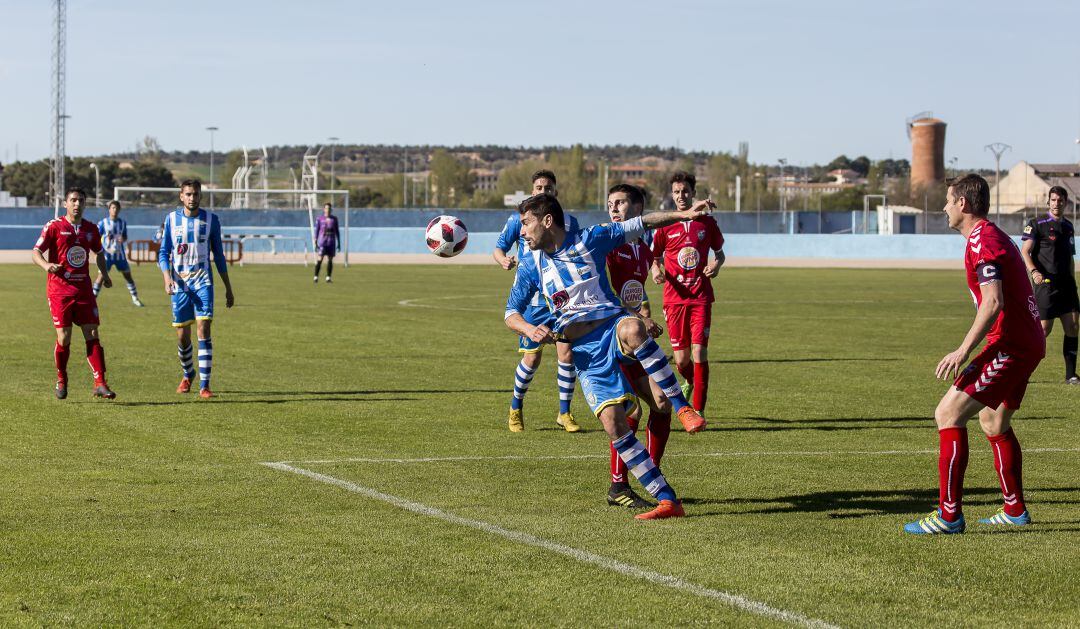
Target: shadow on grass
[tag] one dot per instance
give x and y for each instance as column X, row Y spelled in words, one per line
column 749, row 361
column 863, row 503
column 774, row 424
column 219, row 400
column 367, row 392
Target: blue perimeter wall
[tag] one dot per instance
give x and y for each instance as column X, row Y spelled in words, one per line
column 382, row 232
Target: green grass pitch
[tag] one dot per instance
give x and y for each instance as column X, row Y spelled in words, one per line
column 156, row 508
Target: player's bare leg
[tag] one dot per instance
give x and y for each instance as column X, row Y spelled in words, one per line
column 685, row 367
column 95, row 357
column 658, row 426
column 567, row 377
column 634, row 340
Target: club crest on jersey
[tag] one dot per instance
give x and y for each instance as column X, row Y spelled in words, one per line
column 76, row 256
column 688, row 258
column 632, row 294
column 560, row 299
column 182, row 248
column 701, row 234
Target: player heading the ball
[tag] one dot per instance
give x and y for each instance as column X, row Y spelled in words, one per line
column 189, row 236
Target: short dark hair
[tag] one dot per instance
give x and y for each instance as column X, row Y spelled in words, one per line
column 544, row 173
column 540, row 205
column 191, row 183
column 114, row 202
column 71, row 189
column 637, row 197
column 1060, row 191
column 681, row 176
column 327, row 204
column 974, row 190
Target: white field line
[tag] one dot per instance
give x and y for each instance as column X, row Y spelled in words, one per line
column 575, row 457
column 614, row 565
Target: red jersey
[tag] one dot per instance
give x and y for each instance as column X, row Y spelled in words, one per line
column 990, row 256
column 628, row 267
column 69, row 246
column 684, row 247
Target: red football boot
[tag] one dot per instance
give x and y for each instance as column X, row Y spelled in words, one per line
column 666, row 509
column 184, row 386
column 691, row 420
column 205, row 394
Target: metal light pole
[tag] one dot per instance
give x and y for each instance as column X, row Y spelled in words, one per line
column 211, row 130
column 97, row 184
column 783, row 196
column 333, row 143
column 997, row 148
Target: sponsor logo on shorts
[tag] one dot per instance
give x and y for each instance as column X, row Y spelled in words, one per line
column 76, row 256
column 688, row 258
column 632, row 293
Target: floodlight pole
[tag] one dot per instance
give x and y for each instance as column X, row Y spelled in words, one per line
column 333, row 141
column 997, row 148
column 211, row 130
column 783, row 196
column 97, row 184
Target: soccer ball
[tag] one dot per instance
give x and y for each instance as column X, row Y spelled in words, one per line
column 446, row 236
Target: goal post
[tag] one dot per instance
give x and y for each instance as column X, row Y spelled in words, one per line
column 300, row 198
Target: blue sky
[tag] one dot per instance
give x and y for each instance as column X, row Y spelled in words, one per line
column 801, row 80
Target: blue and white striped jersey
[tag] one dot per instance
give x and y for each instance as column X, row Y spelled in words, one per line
column 111, row 234
column 574, row 279
column 511, row 235
column 186, row 245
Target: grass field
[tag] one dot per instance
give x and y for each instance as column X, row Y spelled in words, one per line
column 405, row 501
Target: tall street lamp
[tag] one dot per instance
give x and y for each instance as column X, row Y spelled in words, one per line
column 97, row 184
column 997, row 148
column 211, row 130
column 333, row 144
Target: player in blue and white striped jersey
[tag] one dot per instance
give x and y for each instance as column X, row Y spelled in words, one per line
column 189, row 236
column 543, row 182
column 113, row 236
column 569, row 269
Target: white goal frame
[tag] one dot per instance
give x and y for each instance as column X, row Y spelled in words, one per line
column 299, row 193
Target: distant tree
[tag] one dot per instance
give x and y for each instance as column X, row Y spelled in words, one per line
column 149, row 149
column 861, row 165
column 145, row 174
column 451, row 179
column 28, row 179
column 840, row 163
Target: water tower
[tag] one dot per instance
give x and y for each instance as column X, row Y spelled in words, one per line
column 927, row 135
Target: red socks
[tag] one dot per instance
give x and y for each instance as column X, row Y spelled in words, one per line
column 1008, row 462
column 952, row 462
column 618, row 466
column 701, row 386
column 656, row 434
column 686, row 371
column 95, row 355
column 60, row 356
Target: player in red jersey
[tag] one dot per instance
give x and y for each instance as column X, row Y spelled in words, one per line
column 628, row 267
column 993, row 384
column 67, row 242
column 682, row 265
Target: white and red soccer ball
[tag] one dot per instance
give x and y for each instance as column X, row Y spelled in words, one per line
column 446, row 236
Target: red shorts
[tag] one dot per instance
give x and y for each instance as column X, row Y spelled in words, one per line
column 995, row 377
column 688, row 324
column 632, row 371
column 80, row 309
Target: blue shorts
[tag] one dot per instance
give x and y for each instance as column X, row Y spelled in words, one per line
column 119, row 261
column 597, row 356
column 191, row 304
column 535, row 315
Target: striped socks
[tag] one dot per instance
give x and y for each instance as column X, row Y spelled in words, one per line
column 522, row 379
column 642, row 467
column 132, row 290
column 567, row 378
column 206, row 356
column 655, row 363
column 186, row 363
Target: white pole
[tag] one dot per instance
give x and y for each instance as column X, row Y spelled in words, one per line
column 738, row 193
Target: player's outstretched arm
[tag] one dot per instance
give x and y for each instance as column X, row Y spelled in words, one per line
column 653, row 220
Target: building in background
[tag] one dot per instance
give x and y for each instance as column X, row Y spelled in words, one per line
column 1026, row 186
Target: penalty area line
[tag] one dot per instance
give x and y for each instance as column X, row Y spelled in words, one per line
column 614, row 565
column 578, row 457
